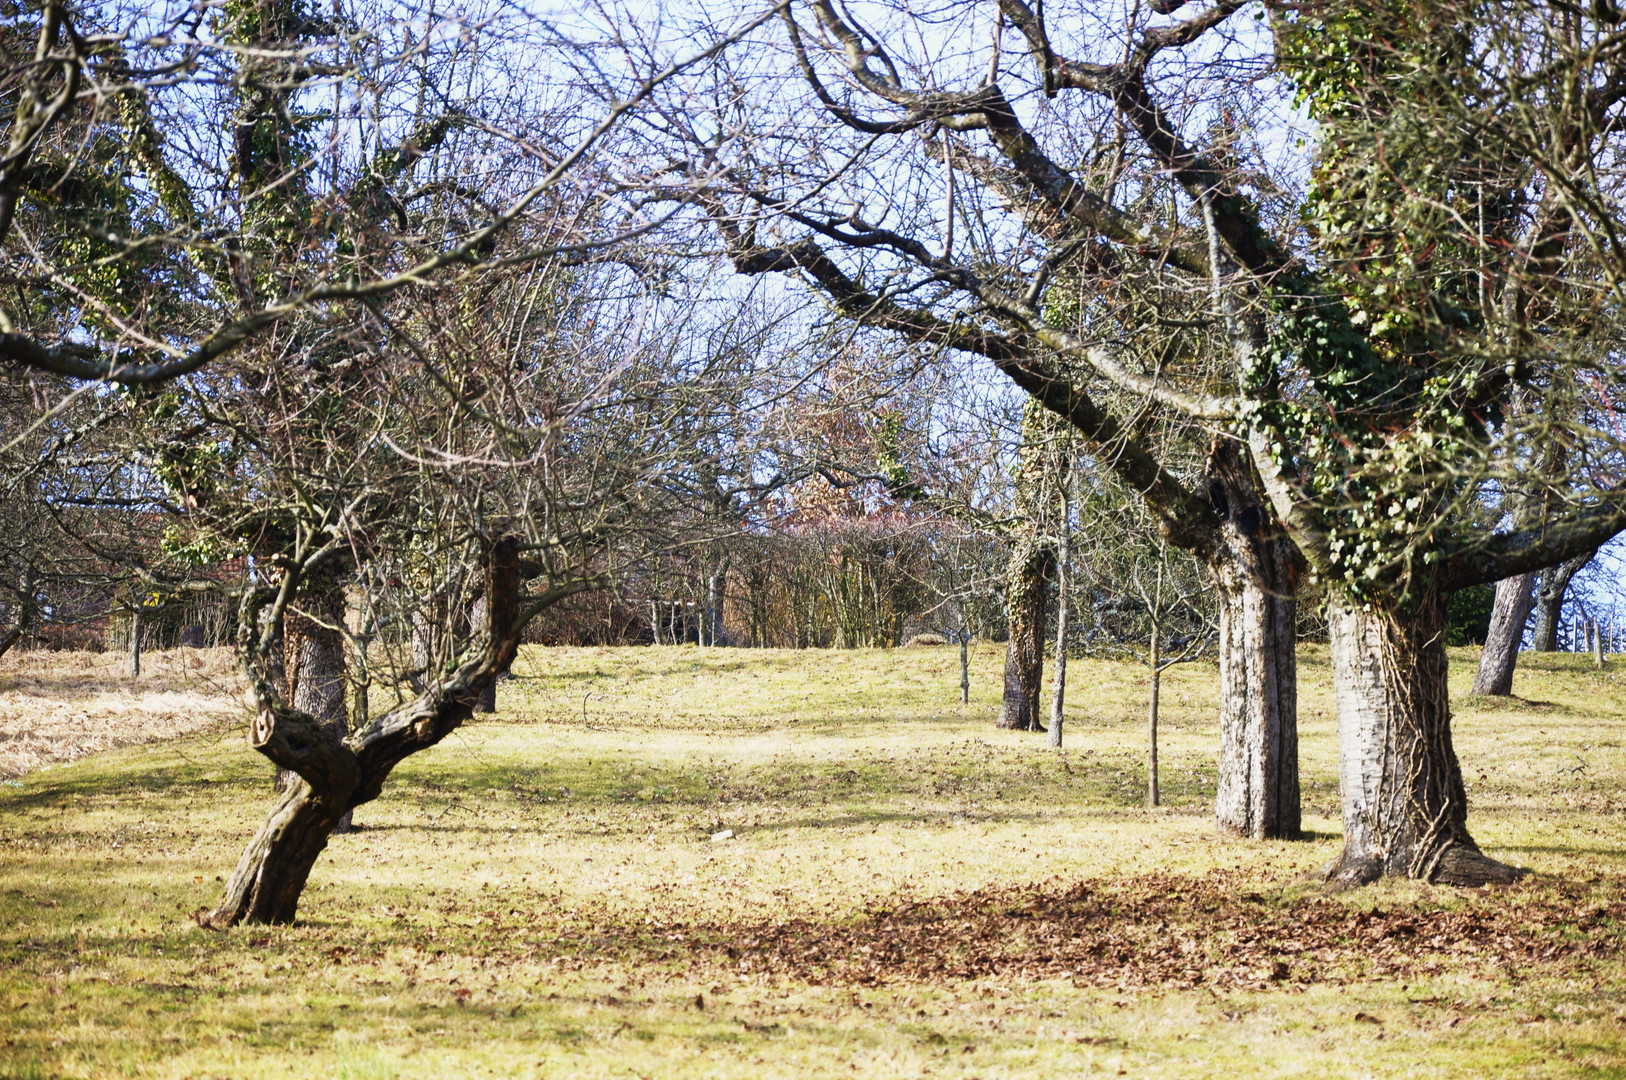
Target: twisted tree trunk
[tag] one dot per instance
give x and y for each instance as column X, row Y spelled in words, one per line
column 1405, row 810
column 1508, row 616
column 1255, row 570
column 335, row 776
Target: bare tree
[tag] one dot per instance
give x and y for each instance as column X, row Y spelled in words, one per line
column 1384, row 322
column 388, row 149
column 1078, row 284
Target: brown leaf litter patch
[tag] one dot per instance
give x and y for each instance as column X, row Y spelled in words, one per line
column 1159, row 931
column 61, row 706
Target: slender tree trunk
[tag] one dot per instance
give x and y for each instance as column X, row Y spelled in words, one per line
column 425, row 649
column 1063, row 554
column 1255, row 570
column 1151, row 721
column 1555, row 582
column 132, row 661
column 1031, row 566
column 716, row 611
column 1508, row 616
column 965, row 666
column 1405, row 810
column 358, row 619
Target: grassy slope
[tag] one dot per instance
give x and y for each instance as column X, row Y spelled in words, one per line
column 539, row 896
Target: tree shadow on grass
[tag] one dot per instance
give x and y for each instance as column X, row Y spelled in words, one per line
column 1499, row 703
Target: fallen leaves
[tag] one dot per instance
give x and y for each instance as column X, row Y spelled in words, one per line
column 1155, row 931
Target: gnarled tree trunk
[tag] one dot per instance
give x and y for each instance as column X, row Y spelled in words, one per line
column 1255, row 570
column 1032, row 566
column 1555, row 582
column 271, row 875
column 337, row 775
column 1508, row 616
column 1405, row 809
column 315, row 666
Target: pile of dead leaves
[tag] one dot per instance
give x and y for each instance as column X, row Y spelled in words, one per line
column 1158, row 931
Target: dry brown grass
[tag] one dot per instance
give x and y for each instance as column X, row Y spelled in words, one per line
column 61, row 706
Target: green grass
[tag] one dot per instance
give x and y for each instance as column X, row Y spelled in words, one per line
column 910, row 892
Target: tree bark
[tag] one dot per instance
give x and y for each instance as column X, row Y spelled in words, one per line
column 1152, row 795
column 1555, row 582
column 132, row 660
column 271, row 875
column 1508, row 616
column 477, row 623
column 26, row 608
column 1255, row 570
column 358, row 666
column 1404, row 806
column 1063, row 557
column 714, row 607
column 1031, row 567
column 315, row 665
column 425, row 647
column 965, row 666
column 337, row 775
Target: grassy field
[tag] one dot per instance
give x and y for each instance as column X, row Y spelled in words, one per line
column 908, row 892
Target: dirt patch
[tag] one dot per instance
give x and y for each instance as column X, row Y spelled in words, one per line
column 59, row 706
column 1159, row 932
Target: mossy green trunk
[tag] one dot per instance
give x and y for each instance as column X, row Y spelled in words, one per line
column 1032, row 566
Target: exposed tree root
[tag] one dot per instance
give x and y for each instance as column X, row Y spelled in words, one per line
column 1471, row 869
column 1456, row 865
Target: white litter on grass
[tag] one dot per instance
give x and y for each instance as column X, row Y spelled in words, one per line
column 726, row 834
